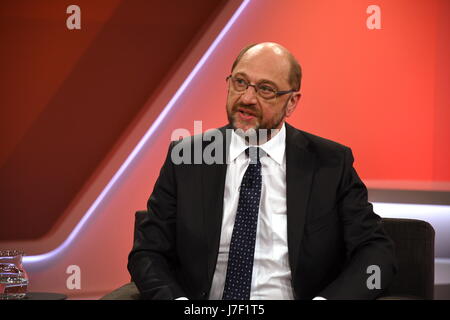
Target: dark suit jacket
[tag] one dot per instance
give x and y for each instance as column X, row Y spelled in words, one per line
column 333, row 233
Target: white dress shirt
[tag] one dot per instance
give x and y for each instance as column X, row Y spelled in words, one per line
column 271, row 278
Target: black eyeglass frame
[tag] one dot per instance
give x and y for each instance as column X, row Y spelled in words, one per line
column 277, row 93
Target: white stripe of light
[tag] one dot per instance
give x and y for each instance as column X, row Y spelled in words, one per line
column 88, row 215
column 436, row 215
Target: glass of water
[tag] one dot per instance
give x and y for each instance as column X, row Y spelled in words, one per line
column 13, row 278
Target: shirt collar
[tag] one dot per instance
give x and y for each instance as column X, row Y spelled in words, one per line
column 274, row 148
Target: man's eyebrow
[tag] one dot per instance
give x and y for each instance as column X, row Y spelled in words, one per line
column 260, row 81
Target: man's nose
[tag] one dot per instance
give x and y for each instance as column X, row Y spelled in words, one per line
column 249, row 95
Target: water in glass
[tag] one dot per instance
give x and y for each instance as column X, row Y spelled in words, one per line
column 13, row 278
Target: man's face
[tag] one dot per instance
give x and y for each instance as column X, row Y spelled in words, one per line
column 247, row 110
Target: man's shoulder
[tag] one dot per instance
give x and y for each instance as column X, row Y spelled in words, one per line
column 208, row 147
column 324, row 143
column 315, row 142
column 206, row 136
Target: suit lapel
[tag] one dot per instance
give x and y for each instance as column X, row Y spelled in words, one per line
column 299, row 176
column 212, row 186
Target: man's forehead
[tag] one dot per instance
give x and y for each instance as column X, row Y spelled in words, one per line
column 267, row 51
column 266, row 61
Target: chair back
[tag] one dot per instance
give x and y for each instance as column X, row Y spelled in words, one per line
column 414, row 248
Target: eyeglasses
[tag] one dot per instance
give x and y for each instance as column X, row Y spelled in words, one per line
column 264, row 90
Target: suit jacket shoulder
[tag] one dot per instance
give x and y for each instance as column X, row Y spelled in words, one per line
column 326, row 151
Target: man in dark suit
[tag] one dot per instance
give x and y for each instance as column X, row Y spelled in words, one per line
column 283, row 216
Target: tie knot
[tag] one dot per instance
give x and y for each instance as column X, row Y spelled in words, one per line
column 254, row 153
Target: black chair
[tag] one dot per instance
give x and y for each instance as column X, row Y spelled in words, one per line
column 414, row 246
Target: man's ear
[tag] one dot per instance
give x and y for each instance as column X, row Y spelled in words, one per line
column 292, row 103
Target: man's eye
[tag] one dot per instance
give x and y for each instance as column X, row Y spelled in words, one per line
column 266, row 88
column 240, row 82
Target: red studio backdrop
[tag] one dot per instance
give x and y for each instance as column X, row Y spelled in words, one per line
column 74, row 104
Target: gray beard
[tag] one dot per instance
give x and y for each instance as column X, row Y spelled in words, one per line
column 258, row 127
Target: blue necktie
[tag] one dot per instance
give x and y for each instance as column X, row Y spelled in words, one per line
column 242, row 246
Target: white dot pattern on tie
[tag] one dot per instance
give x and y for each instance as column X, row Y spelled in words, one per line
column 242, row 246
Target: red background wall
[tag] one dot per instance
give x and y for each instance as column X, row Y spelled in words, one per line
column 67, row 96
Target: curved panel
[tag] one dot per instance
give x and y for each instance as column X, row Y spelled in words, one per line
column 68, row 96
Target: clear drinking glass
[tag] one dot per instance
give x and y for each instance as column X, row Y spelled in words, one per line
column 13, row 277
